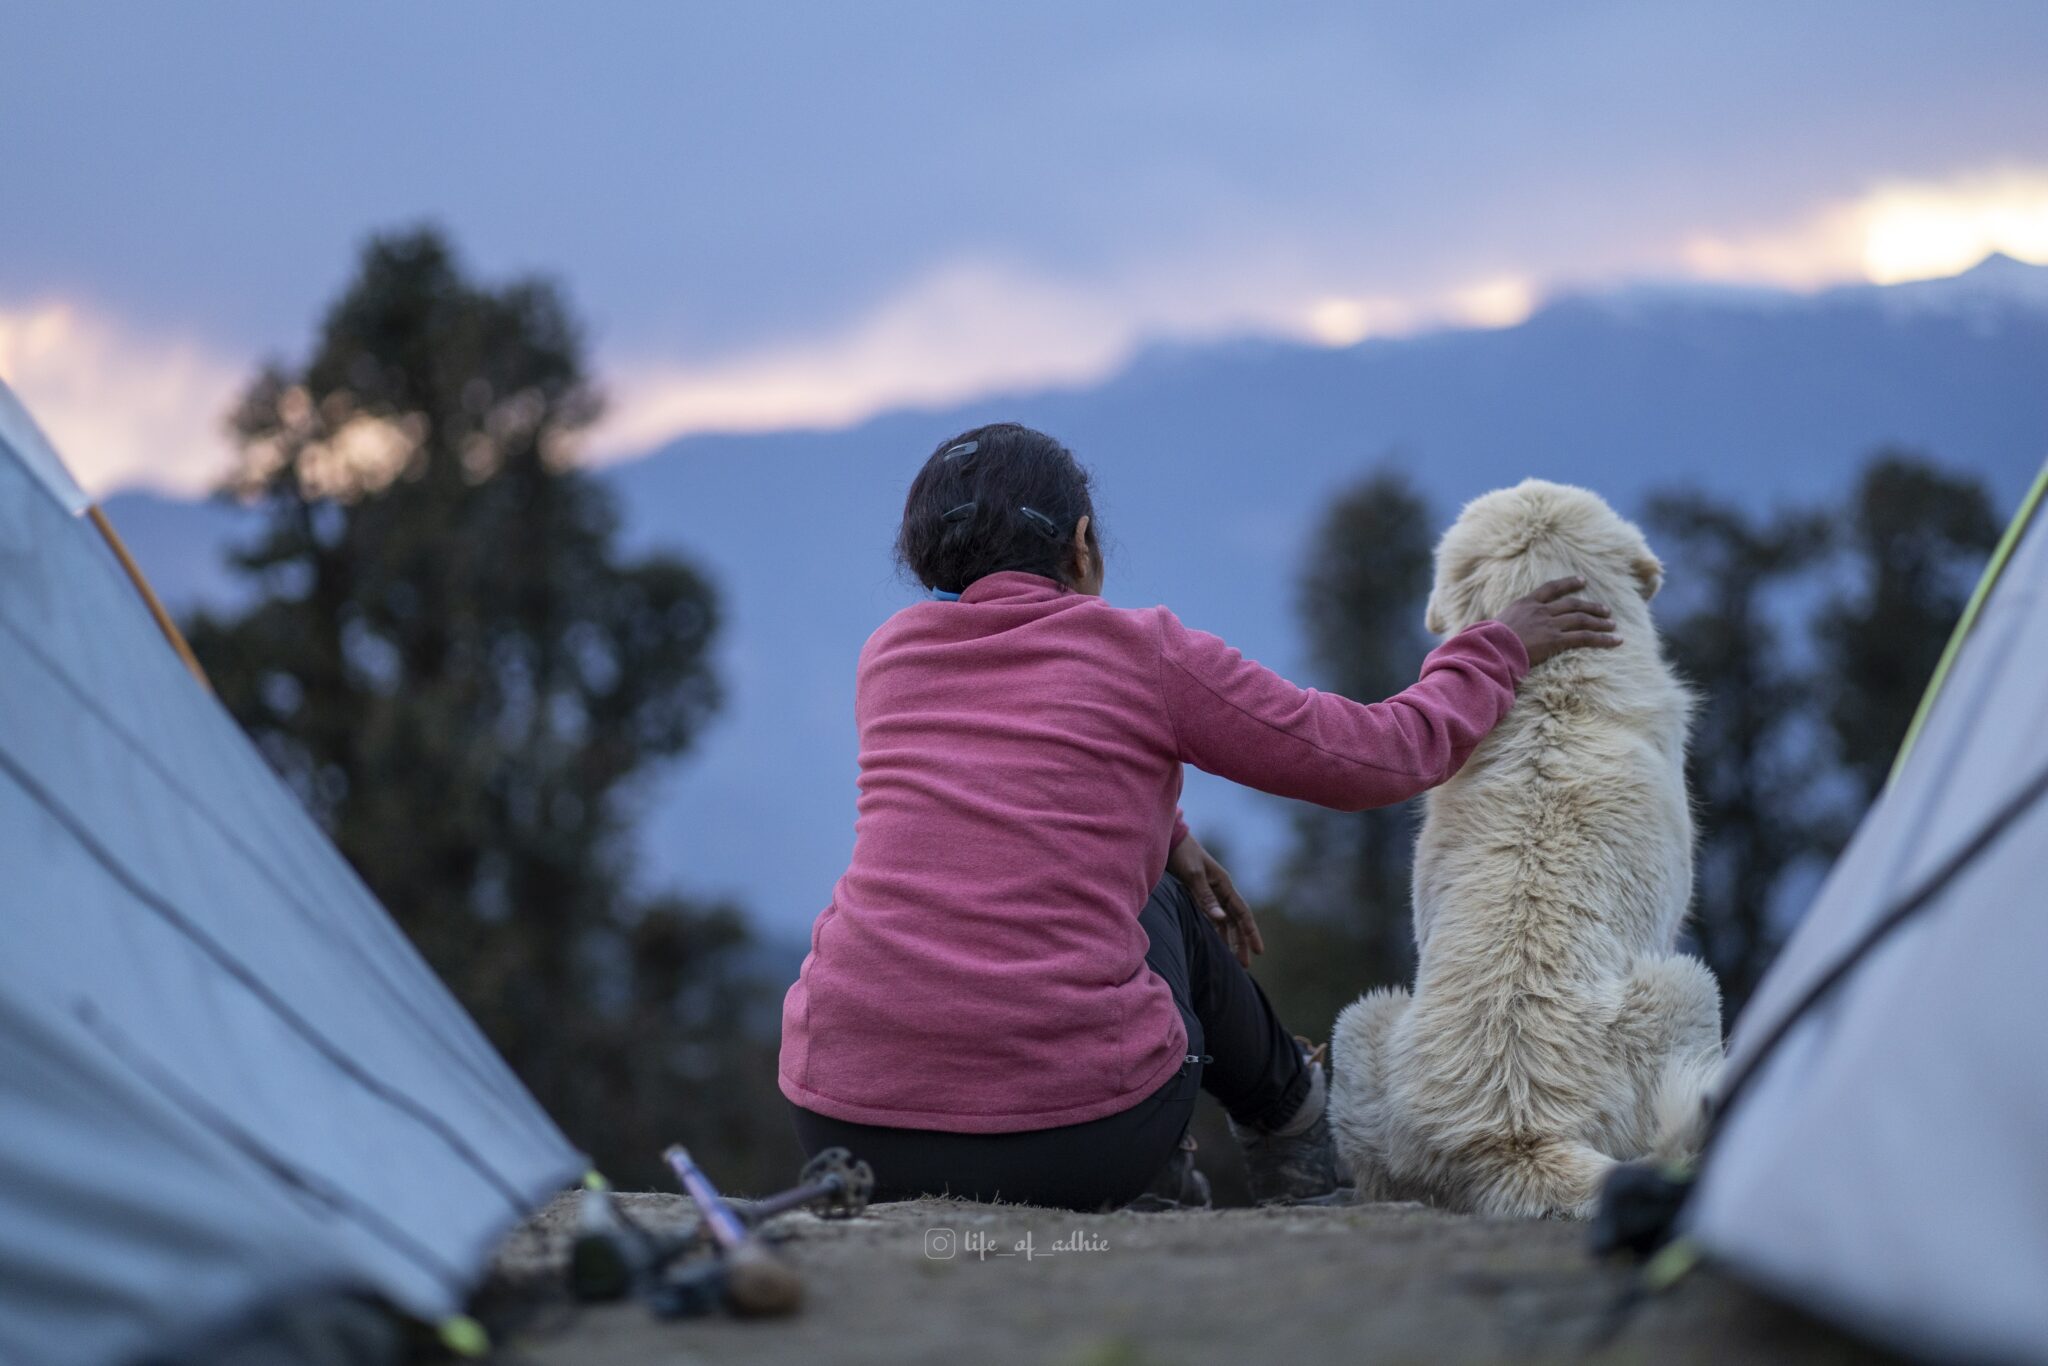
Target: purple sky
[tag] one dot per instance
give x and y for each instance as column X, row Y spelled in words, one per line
column 778, row 214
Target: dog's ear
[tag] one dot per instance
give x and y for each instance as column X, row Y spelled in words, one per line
column 1649, row 572
column 1433, row 619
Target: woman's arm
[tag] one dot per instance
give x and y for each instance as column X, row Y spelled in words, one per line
column 1242, row 721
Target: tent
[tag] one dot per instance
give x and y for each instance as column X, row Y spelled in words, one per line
column 1879, row 1153
column 226, row 1078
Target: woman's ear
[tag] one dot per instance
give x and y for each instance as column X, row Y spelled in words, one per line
column 1083, row 550
column 1649, row 572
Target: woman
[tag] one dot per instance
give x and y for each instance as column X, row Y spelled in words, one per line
column 1006, row 998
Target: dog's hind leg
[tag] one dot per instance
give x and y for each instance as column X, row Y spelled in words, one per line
column 1358, row 1089
column 1668, row 1032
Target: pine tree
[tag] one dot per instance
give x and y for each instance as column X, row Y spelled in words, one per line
column 1917, row 537
column 451, row 661
column 1756, row 763
column 1340, row 917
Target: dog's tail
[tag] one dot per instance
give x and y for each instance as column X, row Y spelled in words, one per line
column 1540, row 1177
column 1680, row 1108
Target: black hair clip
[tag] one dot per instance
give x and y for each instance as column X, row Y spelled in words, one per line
column 958, row 514
column 1041, row 521
column 964, row 448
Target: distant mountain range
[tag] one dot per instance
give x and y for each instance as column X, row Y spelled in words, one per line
column 1212, row 463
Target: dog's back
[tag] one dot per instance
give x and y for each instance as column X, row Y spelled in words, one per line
column 1550, row 879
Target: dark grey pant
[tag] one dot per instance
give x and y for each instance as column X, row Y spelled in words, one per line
column 1245, row 1058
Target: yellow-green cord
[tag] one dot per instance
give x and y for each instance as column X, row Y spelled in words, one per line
column 1673, row 1263
column 1999, row 556
column 465, row 1337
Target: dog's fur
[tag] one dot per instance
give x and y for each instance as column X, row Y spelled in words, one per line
column 1552, row 1031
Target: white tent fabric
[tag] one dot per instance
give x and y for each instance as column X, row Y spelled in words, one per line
column 1885, row 1164
column 20, row 435
column 225, row 1075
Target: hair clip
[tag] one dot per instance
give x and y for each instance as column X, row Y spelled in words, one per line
column 1041, row 521
column 964, row 448
column 958, row 514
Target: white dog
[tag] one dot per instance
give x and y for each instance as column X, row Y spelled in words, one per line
column 1552, row 1031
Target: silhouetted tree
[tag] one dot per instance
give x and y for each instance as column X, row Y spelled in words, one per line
column 453, row 664
column 1917, row 538
column 1756, row 757
column 1340, row 915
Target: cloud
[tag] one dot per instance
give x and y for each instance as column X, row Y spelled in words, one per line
column 129, row 406
column 1893, row 232
column 1918, row 232
column 1341, row 320
column 961, row 331
column 123, row 406
column 971, row 329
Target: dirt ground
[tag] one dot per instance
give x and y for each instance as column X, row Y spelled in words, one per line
column 947, row 1281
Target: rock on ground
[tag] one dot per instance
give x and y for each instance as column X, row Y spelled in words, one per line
column 1360, row 1284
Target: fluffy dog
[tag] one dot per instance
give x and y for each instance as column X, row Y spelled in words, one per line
column 1552, row 1031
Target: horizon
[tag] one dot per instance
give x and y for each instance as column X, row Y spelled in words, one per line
column 179, row 487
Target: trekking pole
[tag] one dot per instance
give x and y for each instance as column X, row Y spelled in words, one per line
column 832, row 1181
column 756, row 1281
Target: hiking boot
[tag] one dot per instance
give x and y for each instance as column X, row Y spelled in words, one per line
column 1296, row 1163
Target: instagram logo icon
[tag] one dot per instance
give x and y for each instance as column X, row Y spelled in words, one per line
column 941, row 1244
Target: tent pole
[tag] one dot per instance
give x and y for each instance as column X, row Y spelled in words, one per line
column 149, row 597
column 1992, row 570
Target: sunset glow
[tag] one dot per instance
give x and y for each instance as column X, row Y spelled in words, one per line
column 1914, row 232
column 129, row 406
column 122, row 406
column 1345, row 321
column 1898, row 231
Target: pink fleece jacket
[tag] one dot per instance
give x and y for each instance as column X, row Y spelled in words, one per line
column 981, row 968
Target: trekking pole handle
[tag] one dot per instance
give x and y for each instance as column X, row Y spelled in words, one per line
column 725, row 1226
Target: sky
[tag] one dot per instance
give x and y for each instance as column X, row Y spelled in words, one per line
column 774, row 215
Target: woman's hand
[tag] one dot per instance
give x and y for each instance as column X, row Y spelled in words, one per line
column 1217, row 897
column 1550, row 620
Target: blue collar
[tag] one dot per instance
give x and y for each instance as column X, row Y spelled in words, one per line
column 941, row 595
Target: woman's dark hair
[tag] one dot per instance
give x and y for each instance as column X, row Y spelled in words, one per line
column 995, row 498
